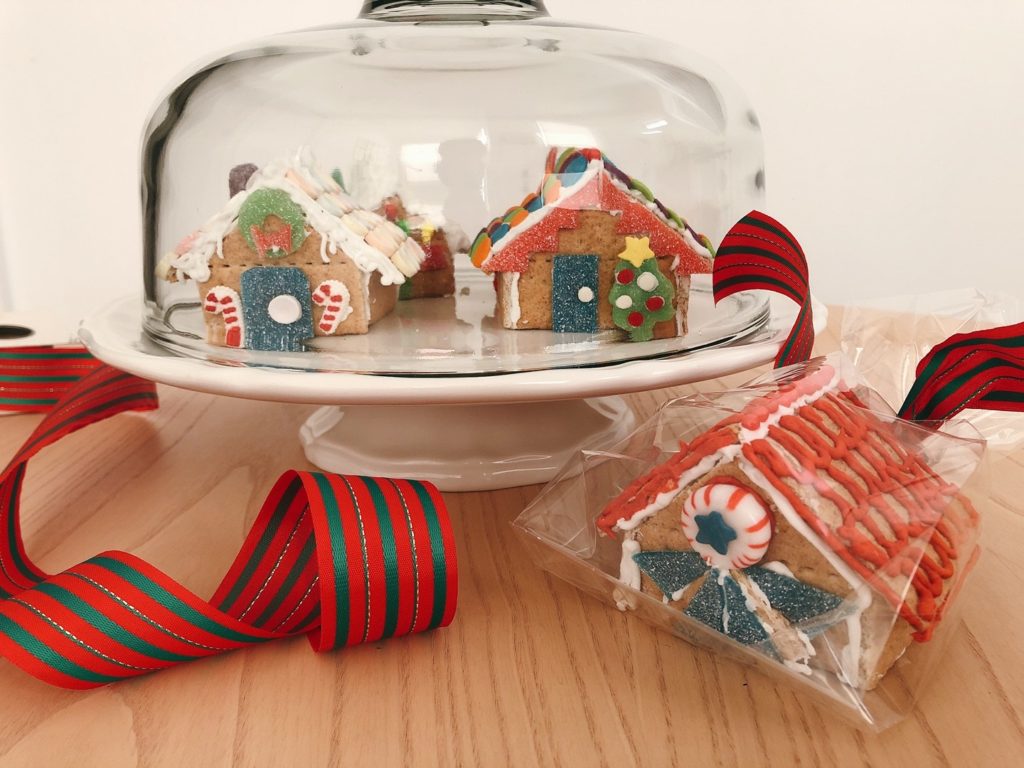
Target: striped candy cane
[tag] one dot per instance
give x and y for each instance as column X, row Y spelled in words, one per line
column 334, row 297
column 222, row 300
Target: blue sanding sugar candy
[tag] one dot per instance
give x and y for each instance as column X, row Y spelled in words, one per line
column 239, row 177
column 792, row 598
column 671, row 570
column 707, row 605
column 714, row 601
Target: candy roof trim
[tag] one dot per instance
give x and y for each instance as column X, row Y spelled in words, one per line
column 896, row 521
column 585, row 179
column 372, row 242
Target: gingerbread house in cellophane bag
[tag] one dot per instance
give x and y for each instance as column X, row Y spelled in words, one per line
column 796, row 523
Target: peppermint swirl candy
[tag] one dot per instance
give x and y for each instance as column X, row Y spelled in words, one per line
column 728, row 525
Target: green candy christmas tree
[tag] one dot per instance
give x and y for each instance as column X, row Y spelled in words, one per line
column 641, row 296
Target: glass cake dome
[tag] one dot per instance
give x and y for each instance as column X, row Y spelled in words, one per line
column 407, row 132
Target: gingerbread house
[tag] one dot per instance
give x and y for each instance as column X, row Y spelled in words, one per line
column 592, row 249
column 436, row 275
column 291, row 257
column 803, row 526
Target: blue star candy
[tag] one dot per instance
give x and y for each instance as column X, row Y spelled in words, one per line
column 714, row 531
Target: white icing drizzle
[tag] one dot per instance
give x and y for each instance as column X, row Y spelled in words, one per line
column 514, row 309
column 755, row 595
column 348, row 232
column 850, row 654
column 720, row 578
column 366, row 295
column 680, row 315
column 536, row 217
column 665, row 498
column 781, row 411
column 629, row 571
column 779, row 567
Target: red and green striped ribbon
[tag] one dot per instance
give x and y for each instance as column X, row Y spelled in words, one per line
column 982, row 369
column 758, row 253
column 33, row 379
column 344, row 560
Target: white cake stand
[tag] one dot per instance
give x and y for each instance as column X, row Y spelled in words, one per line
column 462, row 432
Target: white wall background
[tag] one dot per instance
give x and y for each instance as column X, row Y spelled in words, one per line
column 894, row 132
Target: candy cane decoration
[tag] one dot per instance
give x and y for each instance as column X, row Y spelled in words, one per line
column 334, row 297
column 222, row 300
column 727, row 525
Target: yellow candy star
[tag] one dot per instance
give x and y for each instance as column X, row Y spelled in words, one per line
column 638, row 250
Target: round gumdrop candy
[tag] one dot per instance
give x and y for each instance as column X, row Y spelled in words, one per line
column 635, row 319
column 239, row 176
column 654, row 303
column 624, row 276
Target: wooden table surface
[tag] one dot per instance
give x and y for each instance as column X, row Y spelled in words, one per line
column 531, row 671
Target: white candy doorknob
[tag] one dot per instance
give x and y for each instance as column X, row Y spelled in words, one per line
column 284, row 309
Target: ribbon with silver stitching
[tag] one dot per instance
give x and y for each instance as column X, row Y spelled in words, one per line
column 343, row 560
column 33, row 379
column 981, row 369
column 759, row 253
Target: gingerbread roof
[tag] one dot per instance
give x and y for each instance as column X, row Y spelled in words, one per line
column 842, row 477
column 372, row 242
column 585, row 179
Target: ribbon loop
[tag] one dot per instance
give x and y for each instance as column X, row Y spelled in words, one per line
column 344, row 560
column 758, row 253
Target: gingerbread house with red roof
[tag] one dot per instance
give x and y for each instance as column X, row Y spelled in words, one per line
column 592, row 249
column 804, row 526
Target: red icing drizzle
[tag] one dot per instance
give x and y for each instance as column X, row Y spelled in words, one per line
column 639, row 494
column 761, row 409
column 895, row 521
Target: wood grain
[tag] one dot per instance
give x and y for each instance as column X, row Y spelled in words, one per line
column 532, row 672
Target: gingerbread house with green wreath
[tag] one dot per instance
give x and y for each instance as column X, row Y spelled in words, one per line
column 592, row 249
column 292, row 257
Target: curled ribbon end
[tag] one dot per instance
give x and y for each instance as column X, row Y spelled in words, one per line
column 759, row 253
column 982, row 370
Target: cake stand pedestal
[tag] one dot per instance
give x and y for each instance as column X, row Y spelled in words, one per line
column 462, row 447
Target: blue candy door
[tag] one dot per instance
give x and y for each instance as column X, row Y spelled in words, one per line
column 574, row 293
column 277, row 308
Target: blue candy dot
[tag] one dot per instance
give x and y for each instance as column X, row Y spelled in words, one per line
column 714, row 531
